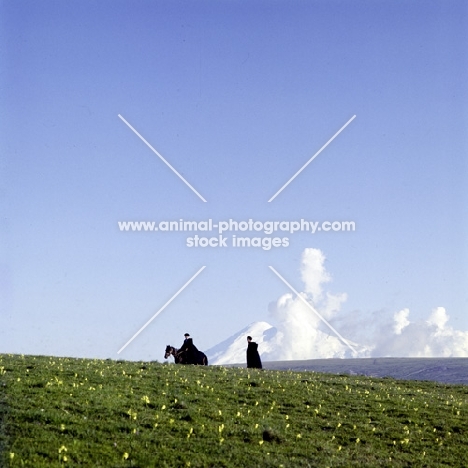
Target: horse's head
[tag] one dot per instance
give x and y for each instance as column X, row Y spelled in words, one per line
column 169, row 351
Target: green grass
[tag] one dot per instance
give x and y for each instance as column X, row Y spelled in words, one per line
column 78, row 412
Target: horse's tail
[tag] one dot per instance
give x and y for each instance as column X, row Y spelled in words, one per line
column 205, row 360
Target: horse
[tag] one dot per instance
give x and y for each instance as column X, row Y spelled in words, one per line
column 202, row 360
column 171, row 351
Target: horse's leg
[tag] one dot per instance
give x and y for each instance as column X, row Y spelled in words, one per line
column 202, row 359
column 181, row 358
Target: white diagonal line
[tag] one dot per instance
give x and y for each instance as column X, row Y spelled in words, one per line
column 313, row 310
column 161, row 157
column 161, row 309
column 312, row 158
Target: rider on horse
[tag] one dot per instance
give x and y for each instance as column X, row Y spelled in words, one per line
column 188, row 351
column 187, row 354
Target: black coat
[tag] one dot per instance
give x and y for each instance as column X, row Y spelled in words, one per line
column 189, row 352
column 253, row 358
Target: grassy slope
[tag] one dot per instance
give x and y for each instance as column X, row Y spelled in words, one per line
column 75, row 412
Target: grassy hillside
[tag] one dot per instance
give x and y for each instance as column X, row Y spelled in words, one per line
column 77, row 412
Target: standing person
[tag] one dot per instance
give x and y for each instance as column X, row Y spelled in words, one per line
column 253, row 358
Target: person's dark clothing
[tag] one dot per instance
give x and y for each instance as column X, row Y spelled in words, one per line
column 189, row 352
column 184, row 344
column 253, row 358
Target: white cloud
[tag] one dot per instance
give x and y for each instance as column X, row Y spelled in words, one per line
column 423, row 338
column 438, row 318
column 313, row 273
column 401, row 321
column 300, row 334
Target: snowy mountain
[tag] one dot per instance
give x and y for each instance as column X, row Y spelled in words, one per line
column 285, row 343
column 232, row 350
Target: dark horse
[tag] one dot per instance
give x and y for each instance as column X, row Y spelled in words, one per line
column 202, row 360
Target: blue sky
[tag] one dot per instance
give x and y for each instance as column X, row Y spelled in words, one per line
column 237, row 96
